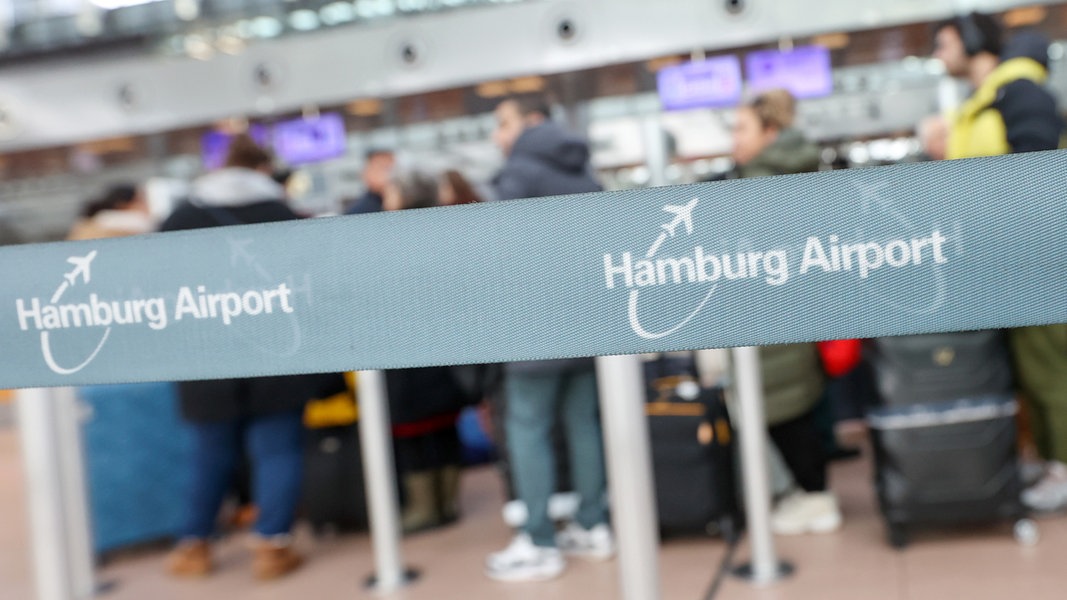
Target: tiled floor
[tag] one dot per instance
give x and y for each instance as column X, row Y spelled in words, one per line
column 982, row 564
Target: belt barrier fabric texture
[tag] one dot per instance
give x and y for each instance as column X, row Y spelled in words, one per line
column 949, row 246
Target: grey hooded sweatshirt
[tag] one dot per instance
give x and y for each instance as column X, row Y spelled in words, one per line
column 546, row 160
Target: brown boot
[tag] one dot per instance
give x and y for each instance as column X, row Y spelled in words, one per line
column 448, row 493
column 420, row 509
column 272, row 560
column 192, row 558
column 244, row 517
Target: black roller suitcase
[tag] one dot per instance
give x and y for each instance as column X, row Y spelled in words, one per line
column 943, row 431
column 692, row 452
column 334, row 497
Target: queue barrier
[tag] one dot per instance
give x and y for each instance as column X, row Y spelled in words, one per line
column 949, row 246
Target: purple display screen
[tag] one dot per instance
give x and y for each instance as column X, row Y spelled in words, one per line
column 215, row 144
column 804, row 71
column 303, row 141
column 714, row 82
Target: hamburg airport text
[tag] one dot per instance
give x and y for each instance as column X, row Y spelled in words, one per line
column 820, row 255
column 192, row 303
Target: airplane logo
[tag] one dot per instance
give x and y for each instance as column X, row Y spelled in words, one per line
column 683, row 215
column 239, row 252
column 81, row 268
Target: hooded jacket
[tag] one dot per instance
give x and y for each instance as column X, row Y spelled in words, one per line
column 546, row 160
column 231, row 196
column 1010, row 112
column 790, row 153
column 236, row 196
column 792, row 375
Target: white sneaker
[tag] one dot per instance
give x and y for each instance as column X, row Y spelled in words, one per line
column 806, row 512
column 596, row 543
column 523, row 561
column 562, row 506
column 1050, row 493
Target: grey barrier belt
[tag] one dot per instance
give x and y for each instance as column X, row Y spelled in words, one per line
column 949, row 246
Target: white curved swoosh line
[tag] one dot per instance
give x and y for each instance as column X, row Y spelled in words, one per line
column 635, row 324
column 46, row 349
column 871, row 196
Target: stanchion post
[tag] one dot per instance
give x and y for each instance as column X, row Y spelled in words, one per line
column 765, row 567
column 79, row 532
column 42, row 464
column 380, row 474
column 629, row 462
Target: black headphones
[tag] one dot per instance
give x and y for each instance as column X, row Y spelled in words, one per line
column 972, row 34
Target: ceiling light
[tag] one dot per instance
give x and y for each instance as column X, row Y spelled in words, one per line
column 197, row 46
column 88, row 23
column 526, row 85
column 230, row 44
column 367, row 107
column 109, row 146
column 657, row 64
column 1021, row 17
column 337, row 13
column 187, row 10
column 832, row 41
column 304, row 20
column 266, row 27
column 492, row 89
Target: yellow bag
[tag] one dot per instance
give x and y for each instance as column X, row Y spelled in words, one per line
column 335, row 411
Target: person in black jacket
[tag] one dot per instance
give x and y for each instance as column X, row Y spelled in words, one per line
column 424, row 405
column 377, row 171
column 543, row 159
column 263, row 413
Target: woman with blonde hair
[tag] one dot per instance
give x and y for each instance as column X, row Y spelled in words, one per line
column 765, row 144
column 765, row 141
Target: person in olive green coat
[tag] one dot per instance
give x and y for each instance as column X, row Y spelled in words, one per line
column 1040, row 355
column 765, row 143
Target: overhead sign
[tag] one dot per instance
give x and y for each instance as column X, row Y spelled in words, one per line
column 714, row 82
column 898, row 250
column 805, row 71
column 308, row 140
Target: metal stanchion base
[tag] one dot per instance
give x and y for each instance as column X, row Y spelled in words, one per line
column 410, row 576
column 105, row 587
column 745, row 571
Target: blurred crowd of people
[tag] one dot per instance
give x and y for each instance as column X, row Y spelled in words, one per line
column 1008, row 111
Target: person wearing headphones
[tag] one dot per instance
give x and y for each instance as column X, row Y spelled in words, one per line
column 1010, row 111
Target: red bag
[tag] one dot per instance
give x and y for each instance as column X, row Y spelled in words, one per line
column 839, row 356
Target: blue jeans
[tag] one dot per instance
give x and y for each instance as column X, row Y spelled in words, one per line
column 534, row 401
column 275, row 448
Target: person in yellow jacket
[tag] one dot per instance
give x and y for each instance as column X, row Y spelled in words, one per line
column 1010, row 111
